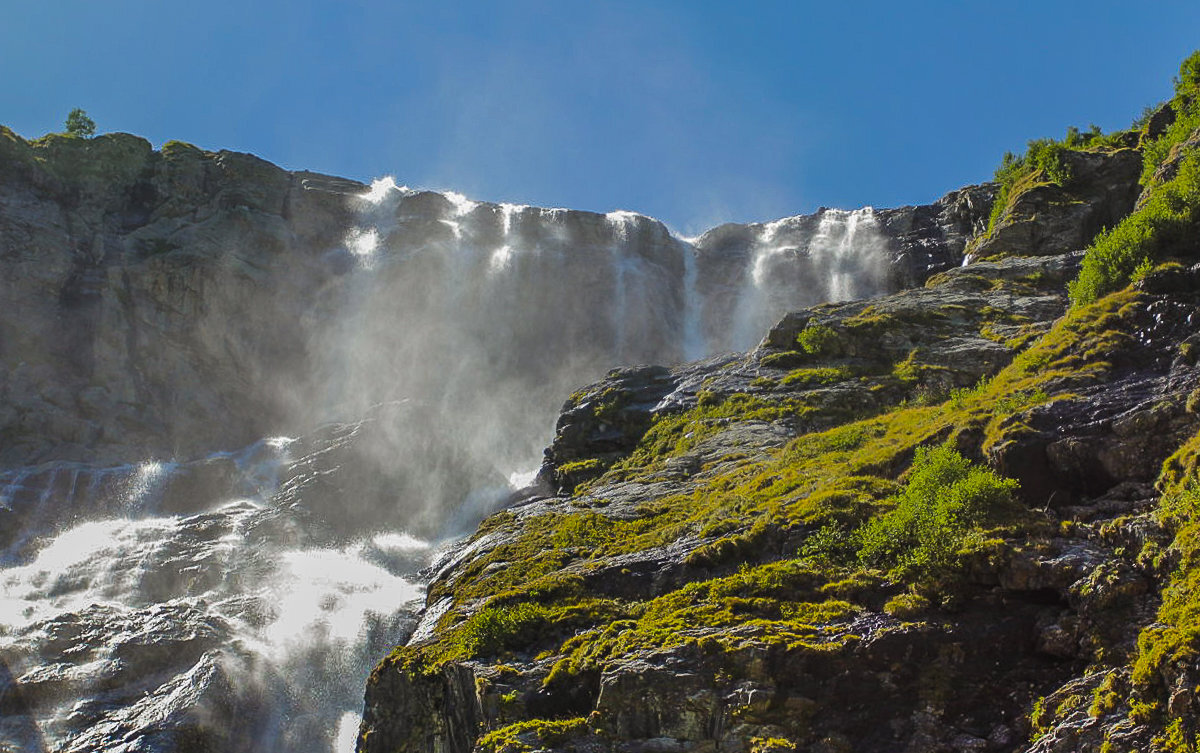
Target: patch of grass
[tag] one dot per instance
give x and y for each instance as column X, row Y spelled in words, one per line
column 671, row 435
column 532, row 734
column 587, row 465
column 493, row 629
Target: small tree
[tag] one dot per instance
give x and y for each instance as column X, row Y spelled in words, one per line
column 79, row 124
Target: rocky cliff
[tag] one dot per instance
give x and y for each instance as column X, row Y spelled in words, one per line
column 961, row 517
column 226, row 389
column 149, row 291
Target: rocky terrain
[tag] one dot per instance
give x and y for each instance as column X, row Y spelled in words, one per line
column 961, row 517
column 916, row 479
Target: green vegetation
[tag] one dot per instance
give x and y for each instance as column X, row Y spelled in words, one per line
column 1173, row 640
column 813, row 377
column 672, row 435
column 1186, row 107
column 817, row 339
column 79, row 124
column 1043, row 162
column 945, row 501
column 493, row 629
column 1165, row 226
column 532, row 734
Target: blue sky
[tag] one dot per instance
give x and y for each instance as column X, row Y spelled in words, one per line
column 694, row 112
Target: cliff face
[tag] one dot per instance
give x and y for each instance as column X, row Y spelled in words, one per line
column 957, row 518
column 223, row 384
column 898, row 502
column 147, row 292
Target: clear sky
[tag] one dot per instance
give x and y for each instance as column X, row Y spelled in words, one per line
column 693, row 112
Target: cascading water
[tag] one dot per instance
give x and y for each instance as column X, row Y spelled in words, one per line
column 793, row 264
column 242, row 598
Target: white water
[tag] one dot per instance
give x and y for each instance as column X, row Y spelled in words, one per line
column 253, row 590
column 138, row 624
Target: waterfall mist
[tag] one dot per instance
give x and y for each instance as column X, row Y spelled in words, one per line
column 243, row 596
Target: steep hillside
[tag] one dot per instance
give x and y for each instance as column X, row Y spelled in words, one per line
column 958, row 518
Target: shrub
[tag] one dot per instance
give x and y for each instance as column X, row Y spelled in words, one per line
column 944, row 499
column 1186, row 104
column 493, row 629
column 1043, row 158
column 817, row 339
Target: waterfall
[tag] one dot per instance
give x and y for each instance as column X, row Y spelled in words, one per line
column 805, row 260
column 245, row 595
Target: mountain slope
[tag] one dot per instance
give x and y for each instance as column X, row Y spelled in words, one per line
column 959, row 518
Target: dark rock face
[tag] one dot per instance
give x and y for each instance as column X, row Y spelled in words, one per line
column 139, row 287
column 1048, row 219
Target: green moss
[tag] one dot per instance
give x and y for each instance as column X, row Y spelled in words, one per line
column 532, row 734
column 912, row 370
column 493, row 629
column 671, row 435
column 1107, row 696
column 817, row 376
column 784, row 360
column 587, row 465
column 781, row 598
column 907, row 605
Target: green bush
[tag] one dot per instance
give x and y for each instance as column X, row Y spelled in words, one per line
column 1043, row 159
column 1167, row 224
column 1186, row 104
column 494, row 629
column 817, row 339
column 944, row 499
